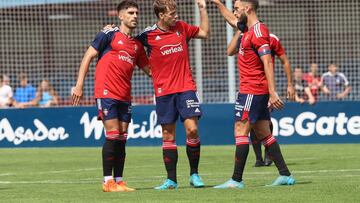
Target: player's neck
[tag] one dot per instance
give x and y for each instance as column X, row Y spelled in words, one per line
column 162, row 26
column 252, row 20
column 126, row 30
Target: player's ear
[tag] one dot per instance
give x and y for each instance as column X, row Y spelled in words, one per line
column 121, row 15
column 161, row 15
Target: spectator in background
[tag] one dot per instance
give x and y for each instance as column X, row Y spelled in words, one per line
column 302, row 89
column 313, row 81
column 6, row 93
column 335, row 85
column 25, row 93
column 46, row 96
column 5, row 80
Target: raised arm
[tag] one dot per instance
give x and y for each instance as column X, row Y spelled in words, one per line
column 233, row 48
column 77, row 92
column 226, row 13
column 204, row 21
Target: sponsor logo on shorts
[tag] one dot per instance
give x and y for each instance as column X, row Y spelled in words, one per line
column 239, row 107
column 192, row 104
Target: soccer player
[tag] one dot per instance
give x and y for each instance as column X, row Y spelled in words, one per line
column 118, row 53
column 278, row 50
column 174, row 86
column 257, row 88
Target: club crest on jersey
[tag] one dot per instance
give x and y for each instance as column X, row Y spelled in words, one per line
column 120, row 42
column 178, row 33
column 171, row 49
column 135, row 48
column 105, row 92
column 241, row 51
column 159, row 90
column 106, row 112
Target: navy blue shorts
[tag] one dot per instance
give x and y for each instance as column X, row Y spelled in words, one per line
column 252, row 107
column 169, row 107
column 112, row 109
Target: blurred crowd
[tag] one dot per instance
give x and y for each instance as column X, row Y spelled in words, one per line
column 310, row 87
column 26, row 95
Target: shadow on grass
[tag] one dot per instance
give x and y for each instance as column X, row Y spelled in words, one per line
column 180, row 188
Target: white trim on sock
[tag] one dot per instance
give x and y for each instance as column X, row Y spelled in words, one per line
column 107, row 178
column 118, row 179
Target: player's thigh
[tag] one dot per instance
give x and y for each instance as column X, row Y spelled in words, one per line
column 108, row 113
column 188, row 105
column 191, row 127
column 261, row 128
column 242, row 128
column 123, row 126
column 166, row 110
column 168, row 131
column 124, row 114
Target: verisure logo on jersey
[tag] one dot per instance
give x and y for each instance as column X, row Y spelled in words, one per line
column 171, row 49
column 124, row 56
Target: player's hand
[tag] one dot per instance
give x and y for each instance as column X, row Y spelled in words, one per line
column 275, row 101
column 108, row 27
column 76, row 95
column 201, row 4
column 291, row 93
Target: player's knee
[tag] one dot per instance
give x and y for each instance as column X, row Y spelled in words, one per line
column 192, row 132
column 168, row 135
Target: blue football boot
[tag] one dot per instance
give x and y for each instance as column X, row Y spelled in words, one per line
column 167, row 185
column 195, row 180
column 283, row 180
column 231, row 184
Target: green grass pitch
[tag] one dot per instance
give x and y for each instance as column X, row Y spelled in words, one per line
column 324, row 173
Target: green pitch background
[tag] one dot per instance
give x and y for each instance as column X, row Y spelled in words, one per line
column 324, row 173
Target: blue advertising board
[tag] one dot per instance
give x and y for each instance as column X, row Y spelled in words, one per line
column 325, row 122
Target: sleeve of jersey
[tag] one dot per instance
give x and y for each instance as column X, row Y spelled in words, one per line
column 261, row 41
column 278, row 48
column 101, row 40
column 190, row 30
column 142, row 59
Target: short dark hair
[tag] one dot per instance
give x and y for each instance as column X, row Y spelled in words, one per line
column 254, row 3
column 22, row 76
column 161, row 6
column 127, row 4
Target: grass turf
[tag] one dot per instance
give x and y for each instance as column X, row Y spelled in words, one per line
column 324, row 173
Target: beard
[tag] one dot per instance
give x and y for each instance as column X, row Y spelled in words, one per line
column 242, row 23
column 243, row 19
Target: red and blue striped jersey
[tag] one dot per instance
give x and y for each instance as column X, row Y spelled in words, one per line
column 255, row 43
column 118, row 56
column 169, row 57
